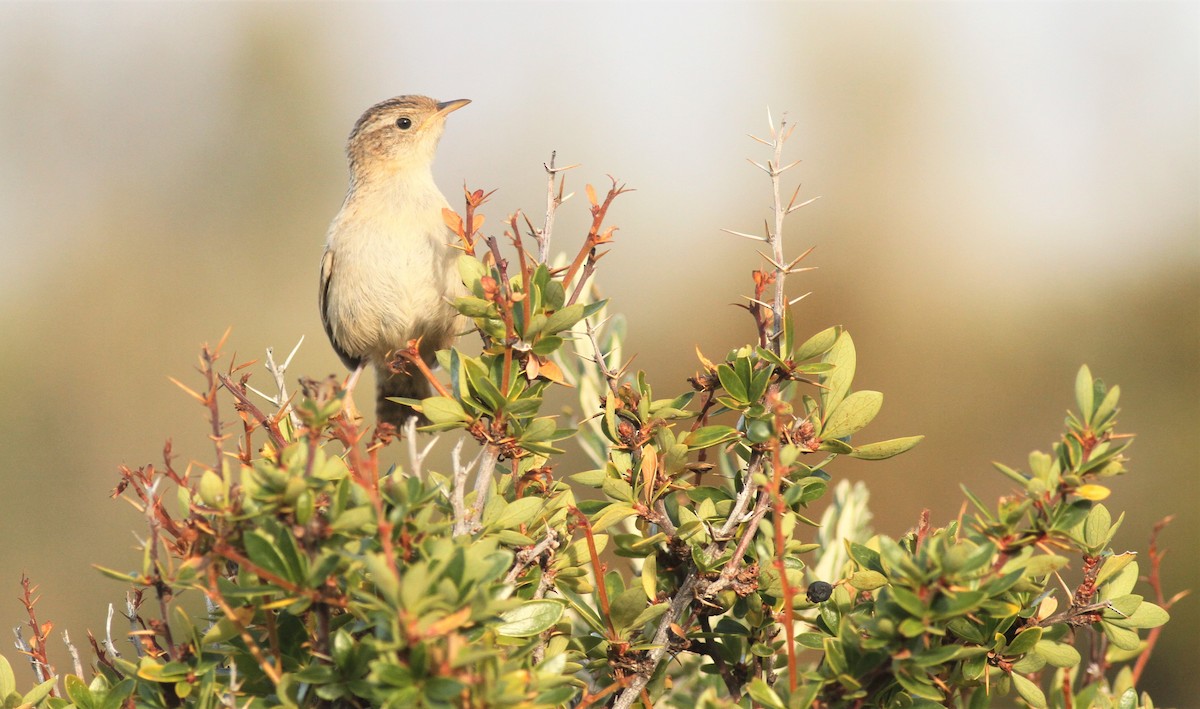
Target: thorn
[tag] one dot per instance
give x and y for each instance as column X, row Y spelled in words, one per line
column 288, row 361
column 187, row 390
column 771, row 122
column 792, row 201
column 744, row 236
column 791, row 128
column 552, row 170
column 760, row 140
column 759, row 166
column 800, row 258
column 773, row 262
column 271, row 399
column 768, row 306
column 787, row 167
column 802, row 204
column 598, row 325
column 790, row 271
column 799, row 298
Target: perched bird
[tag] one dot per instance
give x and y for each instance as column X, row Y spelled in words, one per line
column 388, row 272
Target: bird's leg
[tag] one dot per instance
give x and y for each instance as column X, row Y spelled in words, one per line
column 351, row 382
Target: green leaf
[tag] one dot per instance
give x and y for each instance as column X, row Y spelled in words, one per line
column 1108, row 406
column 264, row 552
column 473, row 307
column 123, row 576
column 1030, row 692
column 837, row 383
column 1128, row 699
column 610, row 515
column 585, row 610
column 818, row 344
column 1096, row 526
column 650, row 613
column 539, row 429
column 1025, row 641
column 563, row 319
column 868, row 580
column 79, row 693
column 865, row 557
column 1042, row 564
column 443, row 409
column 762, row 693
column 627, row 606
column 1123, row 638
column 732, row 383
column 1058, row 654
column 530, row 618
column 518, row 512
column 709, row 436
column 1121, row 583
column 1147, row 615
column 885, row 449
column 1113, row 564
column 1085, row 392
column 8, row 681
column 852, row 414
column 471, row 270
column 833, row 445
column 38, row 693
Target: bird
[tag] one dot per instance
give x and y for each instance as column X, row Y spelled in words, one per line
column 389, row 271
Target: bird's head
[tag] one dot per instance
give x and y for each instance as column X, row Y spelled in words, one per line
column 399, row 134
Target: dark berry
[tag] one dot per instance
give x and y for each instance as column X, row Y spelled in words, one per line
column 819, row 592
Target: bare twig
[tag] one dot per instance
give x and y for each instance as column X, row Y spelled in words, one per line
column 76, row 664
column 554, row 200
column 277, row 372
column 771, row 334
column 462, row 519
column 490, row 455
column 1156, row 556
column 416, row 459
column 613, row 378
column 528, row 557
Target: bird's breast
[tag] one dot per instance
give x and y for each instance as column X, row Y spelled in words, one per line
column 393, row 272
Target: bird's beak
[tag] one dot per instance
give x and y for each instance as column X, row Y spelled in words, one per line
column 446, row 107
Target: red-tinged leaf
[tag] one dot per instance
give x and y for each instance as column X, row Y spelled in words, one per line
column 549, row 370
column 452, row 220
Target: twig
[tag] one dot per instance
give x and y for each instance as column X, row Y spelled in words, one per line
column 256, row 652
column 76, row 664
column 1156, row 557
column 685, row 594
column 132, row 602
column 109, row 645
column 528, row 557
column 278, row 372
column 416, row 459
column 613, row 378
column 553, row 201
column 489, row 456
column 458, row 490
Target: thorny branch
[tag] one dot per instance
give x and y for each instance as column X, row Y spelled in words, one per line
column 685, row 594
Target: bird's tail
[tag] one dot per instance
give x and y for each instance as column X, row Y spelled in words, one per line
column 408, row 386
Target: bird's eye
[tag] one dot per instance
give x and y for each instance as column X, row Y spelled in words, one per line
column 404, row 123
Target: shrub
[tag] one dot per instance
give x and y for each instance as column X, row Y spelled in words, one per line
column 683, row 570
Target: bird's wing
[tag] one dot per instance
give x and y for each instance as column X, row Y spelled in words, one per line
column 349, row 360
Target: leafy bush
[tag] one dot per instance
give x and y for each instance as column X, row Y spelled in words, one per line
column 677, row 572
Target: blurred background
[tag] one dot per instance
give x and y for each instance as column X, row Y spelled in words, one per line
column 1007, row 191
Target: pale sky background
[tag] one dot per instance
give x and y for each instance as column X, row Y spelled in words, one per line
column 1008, row 190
